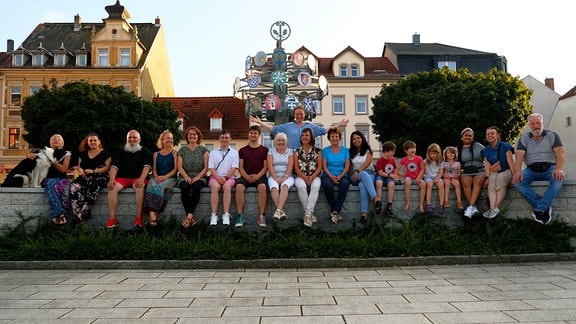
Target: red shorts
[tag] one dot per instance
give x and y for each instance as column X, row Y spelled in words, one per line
column 128, row 182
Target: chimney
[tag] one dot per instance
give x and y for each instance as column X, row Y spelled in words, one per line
column 416, row 39
column 10, row 45
column 549, row 82
column 77, row 22
column 157, row 21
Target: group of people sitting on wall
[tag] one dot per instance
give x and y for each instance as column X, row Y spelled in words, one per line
column 295, row 160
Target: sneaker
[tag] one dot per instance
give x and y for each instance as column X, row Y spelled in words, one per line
column 138, row 221
column 429, row 208
column 363, row 219
column 213, row 220
column 314, row 218
column 542, row 217
column 487, row 213
column 261, row 221
column 226, row 219
column 334, row 217
column 475, row 211
column 308, row 220
column 469, row 211
column 339, row 217
column 389, row 210
column 277, row 214
column 441, row 210
column 239, row 220
column 283, row 215
column 494, row 213
column 378, row 207
column 549, row 214
column 111, row 223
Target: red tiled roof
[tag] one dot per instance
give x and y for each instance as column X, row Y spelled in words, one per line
column 196, row 111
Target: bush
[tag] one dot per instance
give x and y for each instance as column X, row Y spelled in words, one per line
column 422, row 236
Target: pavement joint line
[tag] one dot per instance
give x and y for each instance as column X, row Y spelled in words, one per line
column 287, row 263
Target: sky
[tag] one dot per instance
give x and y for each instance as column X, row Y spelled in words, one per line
column 208, row 41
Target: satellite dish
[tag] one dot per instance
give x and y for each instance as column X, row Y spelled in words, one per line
column 311, row 62
column 323, row 84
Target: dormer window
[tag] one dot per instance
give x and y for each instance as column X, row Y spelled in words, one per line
column 354, row 70
column 215, row 120
column 343, row 70
column 81, row 60
column 18, row 59
column 60, row 60
column 38, row 59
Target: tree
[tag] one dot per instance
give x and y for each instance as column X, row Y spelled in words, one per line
column 433, row 107
column 77, row 109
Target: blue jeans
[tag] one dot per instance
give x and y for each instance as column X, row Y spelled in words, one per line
column 537, row 202
column 328, row 186
column 367, row 190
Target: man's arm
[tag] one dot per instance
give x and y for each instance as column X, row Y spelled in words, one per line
column 558, row 174
column 264, row 125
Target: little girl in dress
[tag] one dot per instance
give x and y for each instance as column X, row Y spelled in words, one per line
column 451, row 168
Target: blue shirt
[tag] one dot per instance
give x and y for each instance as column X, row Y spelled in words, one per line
column 498, row 153
column 335, row 162
column 293, row 132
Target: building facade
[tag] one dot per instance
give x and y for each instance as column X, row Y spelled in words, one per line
column 113, row 52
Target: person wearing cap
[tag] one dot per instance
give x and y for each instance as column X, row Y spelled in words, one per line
column 473, row 177
column 544, row 155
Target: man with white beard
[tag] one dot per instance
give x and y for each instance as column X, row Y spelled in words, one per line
column 544, row 155
column 130, row 168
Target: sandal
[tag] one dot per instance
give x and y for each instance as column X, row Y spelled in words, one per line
column 59, row 220
column 188, row 222
column 152, row 220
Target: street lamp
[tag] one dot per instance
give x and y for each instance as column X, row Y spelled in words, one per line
column 276, row 83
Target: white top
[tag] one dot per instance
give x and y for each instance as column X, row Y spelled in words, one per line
column 432, row 169
column 280, row 161
column 222, row 161
column 359, row 161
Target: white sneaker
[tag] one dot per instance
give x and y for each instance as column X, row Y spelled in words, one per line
column 314, row 218
column 307, row 220
column 283, row 215
column 494, row 212
column 277, row 214
column 213, row 220
column 226, row 219
column 468, row 211
column 261, row 220
column 487, row 213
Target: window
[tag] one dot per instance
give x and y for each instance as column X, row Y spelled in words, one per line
column 60, row 60
column 338, row 105
column 14, row 138
column 266, row 139
column 38, row 60
column 35, row 89
column 209, row 146
column 354, row 70
column 343, row 139
column 450, row 64
column 568, row 121
column 15, row 96
column 18, row 59
column 125, row 57
column 215, row 123
column 81, row 60
column 364, row 129
column 343, row 70
column 361, row 108
column 103, row 59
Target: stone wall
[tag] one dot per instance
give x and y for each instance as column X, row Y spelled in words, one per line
column 33, row 202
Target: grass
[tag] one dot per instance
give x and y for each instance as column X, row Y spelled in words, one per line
column 422, row 236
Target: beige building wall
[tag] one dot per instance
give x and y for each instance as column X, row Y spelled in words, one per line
column 562, row 122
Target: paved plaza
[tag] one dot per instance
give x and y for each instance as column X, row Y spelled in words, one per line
column 487, row 293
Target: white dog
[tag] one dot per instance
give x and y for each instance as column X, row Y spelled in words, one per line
column 44, row 160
